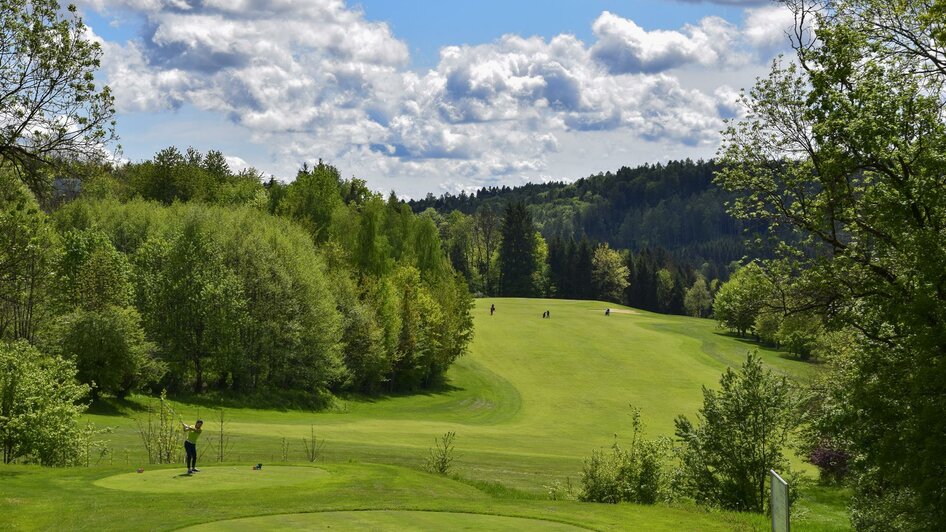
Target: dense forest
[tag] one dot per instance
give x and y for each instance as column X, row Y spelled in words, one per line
column 177, row 273
column 667, row 223
column 674, row 206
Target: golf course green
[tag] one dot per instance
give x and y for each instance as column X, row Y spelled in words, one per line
column 530, row 401
column 210, row 478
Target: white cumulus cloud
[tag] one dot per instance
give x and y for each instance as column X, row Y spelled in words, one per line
column 313, row 79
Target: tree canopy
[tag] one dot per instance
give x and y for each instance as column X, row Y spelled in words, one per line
column 50, row 107
column 844, row 146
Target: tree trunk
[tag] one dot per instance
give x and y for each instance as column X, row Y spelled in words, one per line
column 199, row 378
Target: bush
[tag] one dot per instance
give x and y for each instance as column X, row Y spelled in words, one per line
column 832, row 463
column 741, row 432
column 109, row 349
column 892, row 510
column 40, row 410
column 633, row 475
column 161, row 432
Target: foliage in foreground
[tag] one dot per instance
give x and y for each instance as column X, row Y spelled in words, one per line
column 39, row 407
column 637, row 474
column 51, row 107
column 844, row 147
column 740, row 434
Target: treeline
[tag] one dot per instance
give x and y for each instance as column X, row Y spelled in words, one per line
column 504, row 253
column 760, row 302
column 177, row 273
column 673, row 206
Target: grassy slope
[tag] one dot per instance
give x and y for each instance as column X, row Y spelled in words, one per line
column 530, row 401
column 39, row 499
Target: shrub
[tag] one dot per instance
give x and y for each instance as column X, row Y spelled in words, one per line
column 637, row 474
column 160, row 433
column 440, row 458
column 832, row 463
column 40, row 408
column 740, row 433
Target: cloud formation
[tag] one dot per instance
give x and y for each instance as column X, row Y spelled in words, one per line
column 745, row 3
column 624, row 47
column 315, row 78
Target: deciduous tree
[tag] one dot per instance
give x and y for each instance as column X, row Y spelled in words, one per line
column 698, row 300
column 50, row 106
column 739, row 436
column 844, row 147
column 28, row 248
column 610, row 274
column 40, row 406
column 738, row 301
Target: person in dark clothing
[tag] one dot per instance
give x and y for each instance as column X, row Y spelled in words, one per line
column 492, row 309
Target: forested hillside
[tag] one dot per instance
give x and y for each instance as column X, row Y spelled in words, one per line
column 674, row 206
column 666, row 225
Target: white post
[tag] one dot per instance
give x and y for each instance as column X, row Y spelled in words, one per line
column 779, row 503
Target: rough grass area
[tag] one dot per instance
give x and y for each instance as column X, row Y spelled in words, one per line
column 532, row 399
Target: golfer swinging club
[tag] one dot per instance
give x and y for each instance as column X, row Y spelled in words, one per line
column 190, row 445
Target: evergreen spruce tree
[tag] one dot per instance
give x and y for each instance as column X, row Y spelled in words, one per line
column 517, row 252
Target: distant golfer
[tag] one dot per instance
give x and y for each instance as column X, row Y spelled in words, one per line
column 607, row 312
column 190, row 445
column 492, row 309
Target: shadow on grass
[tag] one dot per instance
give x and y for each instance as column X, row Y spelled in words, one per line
column 112, row 406
column 500, row 491
column 434, row 391
column 763, row 348
column 286, row 401
column 277, row 400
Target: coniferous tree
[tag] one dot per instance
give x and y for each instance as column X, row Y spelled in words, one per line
column 517, row 253
column 583, row 275
column 557, row 263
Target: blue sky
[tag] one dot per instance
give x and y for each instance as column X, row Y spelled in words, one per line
column 425, row 96
column 428, row 25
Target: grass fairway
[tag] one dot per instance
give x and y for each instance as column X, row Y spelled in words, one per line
column 528, row 404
